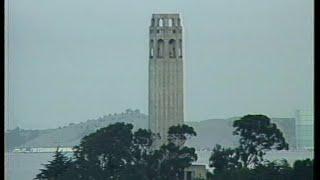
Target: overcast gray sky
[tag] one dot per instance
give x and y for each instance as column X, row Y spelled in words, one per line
column 73, row 60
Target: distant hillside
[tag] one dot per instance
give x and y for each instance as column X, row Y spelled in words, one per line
column 209, row 132
column 287, row 126
column 219, row 131
column 17, row 137
column 71, row 135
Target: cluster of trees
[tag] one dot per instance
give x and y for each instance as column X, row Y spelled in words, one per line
column 275, row 170
column 257, row 135
column 116, row 152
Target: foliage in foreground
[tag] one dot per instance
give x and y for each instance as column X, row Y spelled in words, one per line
column 115, row 152
column 56, row 167
column 257, row 135
column 276, row 170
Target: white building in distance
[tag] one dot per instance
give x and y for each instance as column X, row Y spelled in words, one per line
column 304, row 129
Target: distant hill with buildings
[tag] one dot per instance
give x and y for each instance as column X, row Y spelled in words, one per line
column 209, row 132
column 70, row 135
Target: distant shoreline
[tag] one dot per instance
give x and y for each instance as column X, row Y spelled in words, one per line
column 42, row 150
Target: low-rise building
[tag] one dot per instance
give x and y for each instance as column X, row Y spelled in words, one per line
column 195, row 172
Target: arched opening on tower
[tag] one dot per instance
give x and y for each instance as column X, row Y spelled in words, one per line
column 180, row 48
column 160, row 48
column 151, row 49
column 170, row 22
column 152, row 22
column 172, row 48
column 160, row 22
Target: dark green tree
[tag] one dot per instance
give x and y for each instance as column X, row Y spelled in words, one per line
column 174, row 157
column 209, row 175
column 107, row 153
column 224, row 159
column 72, row 172
column 275, row 170
column 303, row 169
column 234, row 174
column 257, row 136
column 180, row 134
column 278, row 169
column 55, row 168
column 141, row 153
column 116, row 153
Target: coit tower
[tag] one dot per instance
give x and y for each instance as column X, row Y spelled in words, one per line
column 165, row 74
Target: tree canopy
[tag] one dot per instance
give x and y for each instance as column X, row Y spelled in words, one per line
column 56, row 167
column 116, row 152
column 224, row 159
column 257, row 136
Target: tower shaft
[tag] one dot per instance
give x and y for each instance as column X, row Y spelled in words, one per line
column 165, row 74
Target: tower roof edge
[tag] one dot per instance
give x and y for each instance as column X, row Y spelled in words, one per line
column 166, row 15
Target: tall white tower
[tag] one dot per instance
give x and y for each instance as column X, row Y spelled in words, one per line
column 165, row 74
